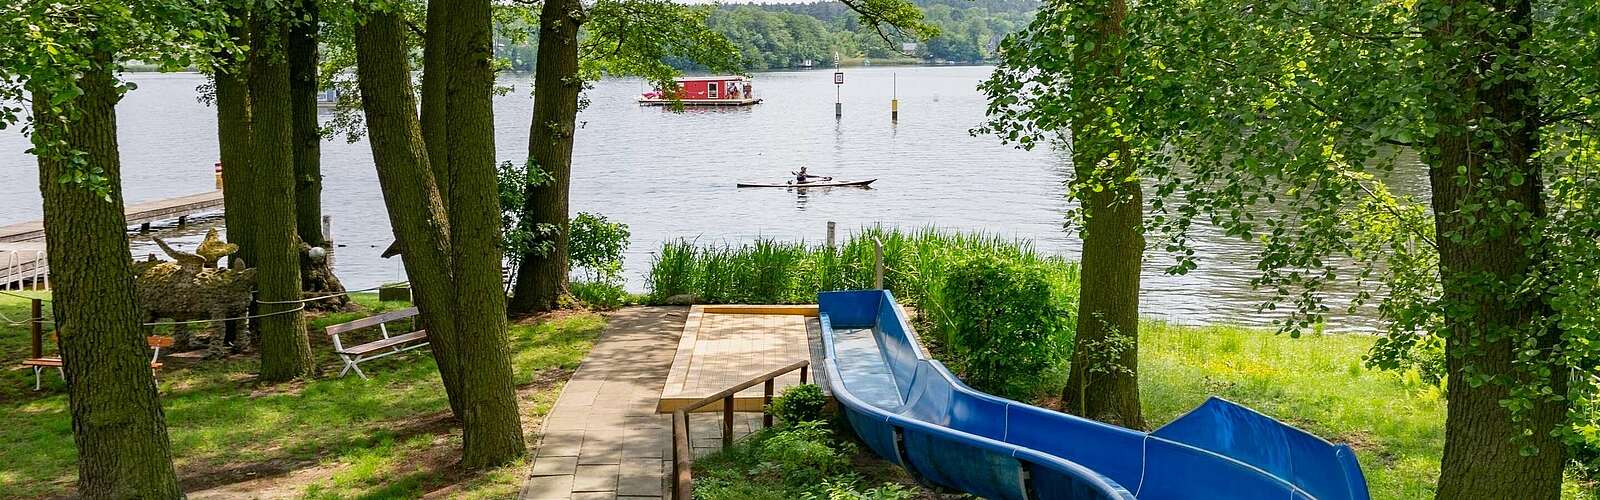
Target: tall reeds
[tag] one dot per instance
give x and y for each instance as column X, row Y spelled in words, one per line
column 768, row 271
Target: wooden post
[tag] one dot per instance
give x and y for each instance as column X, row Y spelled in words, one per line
column 830, row 235
column 877, row 252
column 327, row 236
column 682, row 480
column 183, row 220
column 727, row 422
column 894, row 101
column 766, row 404
column 36, row 327
column 144, row 228
column 803, row 374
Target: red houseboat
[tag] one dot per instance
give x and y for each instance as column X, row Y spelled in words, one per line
column 705, row 91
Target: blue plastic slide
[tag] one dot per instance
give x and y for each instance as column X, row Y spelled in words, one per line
column 911, row 411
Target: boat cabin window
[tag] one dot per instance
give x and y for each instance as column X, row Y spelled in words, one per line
column 711, row 90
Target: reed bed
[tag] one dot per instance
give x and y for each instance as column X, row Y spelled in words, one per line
column 768, row 271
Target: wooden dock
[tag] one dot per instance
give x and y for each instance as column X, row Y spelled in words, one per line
column 22, row 244
column 723, row 346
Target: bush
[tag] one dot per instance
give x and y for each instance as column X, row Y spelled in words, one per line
column 803, row 453
column 601, row 295
column 595, row 245
column 1008, row 327
column 799, row 403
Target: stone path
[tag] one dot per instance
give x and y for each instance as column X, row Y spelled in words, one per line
column 603, row 439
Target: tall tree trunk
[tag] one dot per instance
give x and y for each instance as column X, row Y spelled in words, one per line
column 416, row 210
column 1483, row 158
column 234, row 143
column 285, row 349
column 492, row 431
column 316, row 275
column 117, row 422
column 542, row 277
column 462, row 222
column 1103, row 383
column 435, row 84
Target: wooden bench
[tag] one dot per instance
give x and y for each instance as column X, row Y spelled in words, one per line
column 386, row 346
column 39, row 362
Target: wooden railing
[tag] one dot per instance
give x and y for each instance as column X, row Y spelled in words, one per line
column 683, row 454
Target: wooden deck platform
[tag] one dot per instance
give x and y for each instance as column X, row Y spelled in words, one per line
column 723, row 346
column 22, row 243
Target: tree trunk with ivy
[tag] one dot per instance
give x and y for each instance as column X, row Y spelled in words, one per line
column 316, row 274
column 117, row 420
column 1103, row 383
column 285, row 348
column 451, row 236
column 1483, row 158
column 542, row 271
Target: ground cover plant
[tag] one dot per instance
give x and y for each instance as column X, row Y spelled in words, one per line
column 808, row 455
column 388, row 437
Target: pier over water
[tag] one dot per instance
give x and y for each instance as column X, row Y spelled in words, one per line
column 22, row 245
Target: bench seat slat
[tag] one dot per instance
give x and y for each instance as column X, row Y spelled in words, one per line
column 385, row 343
column 56, row 362
column 371, row 321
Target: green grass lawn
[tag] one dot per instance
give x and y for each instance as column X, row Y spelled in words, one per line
column 1316, row 383
column 388, row 437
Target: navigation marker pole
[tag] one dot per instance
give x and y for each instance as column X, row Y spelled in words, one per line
column 838, row 83
column 894, row 97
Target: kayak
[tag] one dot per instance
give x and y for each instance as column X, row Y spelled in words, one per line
column 791, row 184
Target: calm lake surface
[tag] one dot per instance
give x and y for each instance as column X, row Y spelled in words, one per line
column 669, row 175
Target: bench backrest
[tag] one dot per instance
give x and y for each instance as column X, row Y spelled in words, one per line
column 371, row 321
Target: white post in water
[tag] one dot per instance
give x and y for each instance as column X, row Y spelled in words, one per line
column 327, row 236
column 838, row 84
column 877, row 252
column 830, row 235
column 894, row 97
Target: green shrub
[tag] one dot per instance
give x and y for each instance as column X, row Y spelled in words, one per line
column 848, row 487
column 799, row 403
column 595, row 245
column 601, row 295
column 803, row 454
column 1008, row 328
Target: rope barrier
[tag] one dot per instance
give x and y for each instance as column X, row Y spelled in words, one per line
column 253, row 316
column 12, row 322
column 20, row 296
column 320, row 297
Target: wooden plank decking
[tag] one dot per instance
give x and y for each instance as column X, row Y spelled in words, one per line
column 20, row 243
column 723, row 346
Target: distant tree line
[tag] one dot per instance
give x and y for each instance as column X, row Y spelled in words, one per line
column 775, row 36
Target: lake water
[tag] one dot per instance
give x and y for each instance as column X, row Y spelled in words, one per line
column 669, row 175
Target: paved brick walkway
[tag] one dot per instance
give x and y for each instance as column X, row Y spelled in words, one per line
column 603, row 438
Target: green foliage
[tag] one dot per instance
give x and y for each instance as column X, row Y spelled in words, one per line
column 601, row 295
column 47, row 46
column 346, row 423
column 774, row 272
column 595, row 245
column 1307, row 107
column 786, row 35
column 808, row 460
column 639, row 37
column 1006, row 326
column 799, row 404
column 848, row 488
column 803, row 453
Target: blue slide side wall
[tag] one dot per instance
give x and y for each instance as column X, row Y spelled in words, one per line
column 952, row 435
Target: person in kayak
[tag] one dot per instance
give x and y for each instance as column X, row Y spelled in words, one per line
column 802, row 177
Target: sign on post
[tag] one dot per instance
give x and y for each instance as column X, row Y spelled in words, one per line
column 838, row 78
